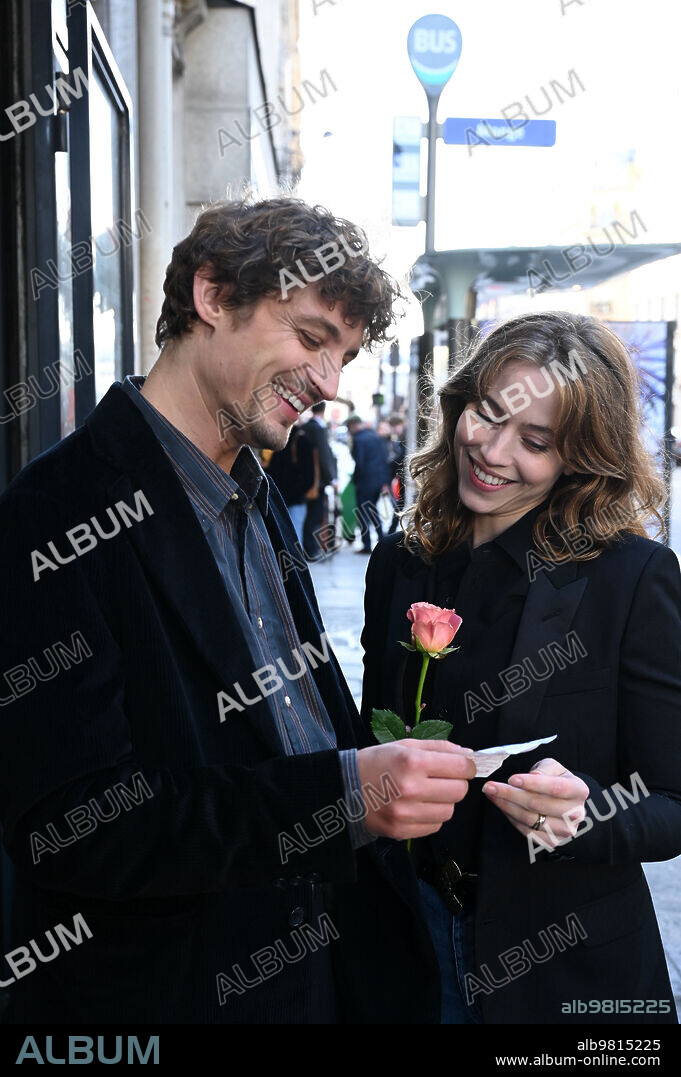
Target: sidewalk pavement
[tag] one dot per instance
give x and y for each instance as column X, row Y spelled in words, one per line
column 664, row 880
column 339, row 583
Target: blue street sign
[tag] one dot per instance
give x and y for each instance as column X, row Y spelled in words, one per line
column 480, row 132
column 434, row 46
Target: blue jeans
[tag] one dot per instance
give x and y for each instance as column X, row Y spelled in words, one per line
column 368, row 514
column 454, row 945
column 297, row 514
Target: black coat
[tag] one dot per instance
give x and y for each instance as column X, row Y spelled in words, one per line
column 319, row 436
column 190, row 881
column 616, row 711
column 370, row 453
column 292, row 468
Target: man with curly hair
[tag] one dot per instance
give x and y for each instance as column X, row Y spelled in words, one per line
column 193, row 782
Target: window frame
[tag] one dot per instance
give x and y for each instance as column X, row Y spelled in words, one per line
column 89, row 50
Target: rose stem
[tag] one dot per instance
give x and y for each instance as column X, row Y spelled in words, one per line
column 419, row 690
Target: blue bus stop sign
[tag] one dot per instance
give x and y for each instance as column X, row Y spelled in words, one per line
column 479, row 132
column 434, row 46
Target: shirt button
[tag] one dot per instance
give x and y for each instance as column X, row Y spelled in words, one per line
column 296, row 916
column 259, row 622
column 287, row 701
column 234, row 497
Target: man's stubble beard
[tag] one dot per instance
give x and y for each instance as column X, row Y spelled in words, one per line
column 253, row 429
column 264, row 435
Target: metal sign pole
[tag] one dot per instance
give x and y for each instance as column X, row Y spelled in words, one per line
column 434, row 47
column 668, row 436
column 432, row 171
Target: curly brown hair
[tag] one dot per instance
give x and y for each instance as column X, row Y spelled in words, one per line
column 244, row 246
column 615, row 487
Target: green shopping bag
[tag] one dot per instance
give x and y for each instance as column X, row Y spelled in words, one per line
column 349, row 505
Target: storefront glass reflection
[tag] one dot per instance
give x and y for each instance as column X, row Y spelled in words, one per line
column 65, row 300
column 106, row 245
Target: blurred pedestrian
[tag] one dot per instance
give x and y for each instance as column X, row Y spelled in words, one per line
column 293, row 470
column 326, row 475
column 397, row 461
column 371, row 475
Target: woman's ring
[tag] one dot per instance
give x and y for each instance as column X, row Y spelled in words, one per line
column 541, row 819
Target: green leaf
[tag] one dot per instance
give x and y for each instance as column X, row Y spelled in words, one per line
column 431, row 654
column 432, row 730
column 407, row 646
column 387, row 726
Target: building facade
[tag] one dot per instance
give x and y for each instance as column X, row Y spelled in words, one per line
column 119, row 119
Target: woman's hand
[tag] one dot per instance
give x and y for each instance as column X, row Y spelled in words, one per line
column 549, row 789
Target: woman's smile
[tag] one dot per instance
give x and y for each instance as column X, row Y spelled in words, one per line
column 482, row 479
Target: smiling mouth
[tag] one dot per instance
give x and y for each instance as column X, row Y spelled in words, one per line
column 290, row 398
column 484, row 479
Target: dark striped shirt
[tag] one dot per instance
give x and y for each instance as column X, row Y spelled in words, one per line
column 230, row 509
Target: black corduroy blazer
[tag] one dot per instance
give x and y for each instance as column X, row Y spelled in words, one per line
column 188, row 883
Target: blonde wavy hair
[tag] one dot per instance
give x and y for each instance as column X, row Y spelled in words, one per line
column 616, row 487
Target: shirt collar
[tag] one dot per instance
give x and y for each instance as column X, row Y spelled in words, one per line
column 516, row 540
column 249, row 475
column 211, row 487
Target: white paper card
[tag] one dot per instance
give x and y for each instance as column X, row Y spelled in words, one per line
column 487, row 760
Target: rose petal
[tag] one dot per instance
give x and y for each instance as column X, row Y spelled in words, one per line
column 433, row 626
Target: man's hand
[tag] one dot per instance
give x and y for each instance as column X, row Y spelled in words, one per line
column 431, row 775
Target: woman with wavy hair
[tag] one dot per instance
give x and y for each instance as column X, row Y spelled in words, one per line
column 535, row 496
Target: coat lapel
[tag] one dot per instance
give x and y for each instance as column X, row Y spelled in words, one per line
column 411, row 585
column 551, row 603
column 177, row 558
column 173, row 550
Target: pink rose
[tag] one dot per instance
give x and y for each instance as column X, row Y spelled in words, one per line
column 433, row 627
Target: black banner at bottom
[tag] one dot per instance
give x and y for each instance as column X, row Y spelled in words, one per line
column 498, row 1046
